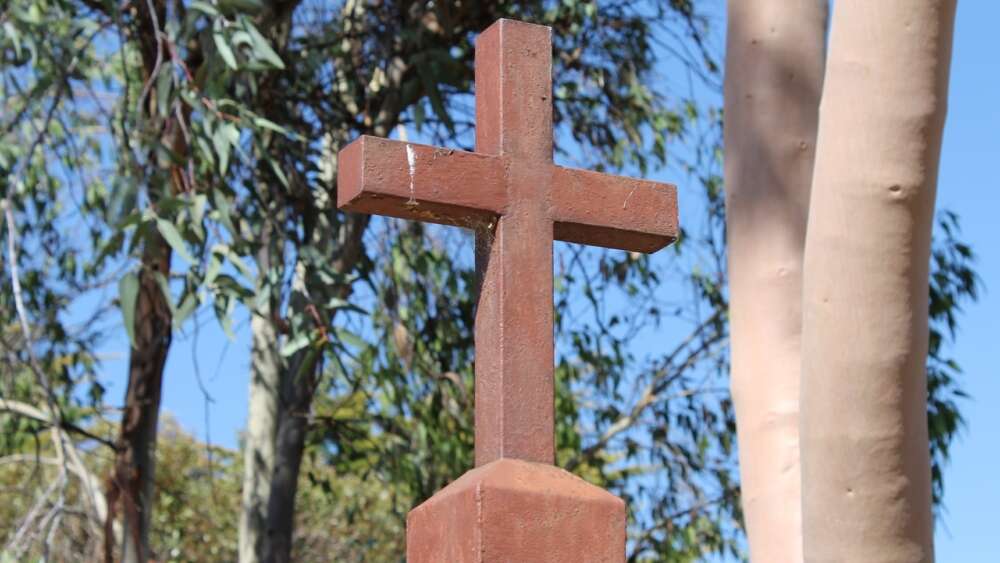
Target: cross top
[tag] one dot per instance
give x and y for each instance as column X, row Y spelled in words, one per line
column 517, row 202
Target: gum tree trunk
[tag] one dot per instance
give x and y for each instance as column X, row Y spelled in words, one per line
column 262, row 416
column 774, row 74
column 267, row 368
column 866, row 471
column 131, row 484
column 301, row 373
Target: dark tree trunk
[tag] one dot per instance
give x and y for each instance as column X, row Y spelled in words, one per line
column 296, row 400
column 130, row 486
column 135, row 462
column 301, row 374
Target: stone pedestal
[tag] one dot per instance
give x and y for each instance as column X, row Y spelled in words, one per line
column 512, row 511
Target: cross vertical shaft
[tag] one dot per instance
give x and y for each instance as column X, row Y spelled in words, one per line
column 514, row 348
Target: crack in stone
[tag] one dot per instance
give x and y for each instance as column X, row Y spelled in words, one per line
column 411, row 159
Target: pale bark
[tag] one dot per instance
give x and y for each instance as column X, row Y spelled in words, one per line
column 262, row 420
column 282, row 389
column 774, row 74
column 866, row 470
column 286, row 387
column 300, row 376
column 267, row 369
column 339, row 237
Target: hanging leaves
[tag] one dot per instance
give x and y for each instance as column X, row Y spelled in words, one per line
column 128, row 290
column 173, row 238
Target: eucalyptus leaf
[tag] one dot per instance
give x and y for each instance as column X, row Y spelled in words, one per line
column 164, row 87
column 223, row 307
column 212, row 269
column 434, row 93
column 223, row 211
column 164, row 285
column 351, row 338
column 295, row 344
column 278, row 172
column 174, row 239
column 262, row 48
column 268, row 124
column 188, row 304
column 336, row 303
column 224, row 250
column 222, row 140
column 14, row 36
column 200, row 201
column 244, row 6
column 222, row 46
column 128, row 291
column 203, row 7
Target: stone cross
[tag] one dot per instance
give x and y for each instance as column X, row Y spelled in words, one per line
column 514, row 506
column 517, row 202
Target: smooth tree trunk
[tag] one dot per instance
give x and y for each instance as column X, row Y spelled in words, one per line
column 298, row 385
column 774, row 75
column 301, row 373
column 267, row 369
column 262, row 416
column 270, row 538
column 285, row 386
column 866, row 469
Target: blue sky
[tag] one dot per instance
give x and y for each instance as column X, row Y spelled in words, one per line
column 968, row 185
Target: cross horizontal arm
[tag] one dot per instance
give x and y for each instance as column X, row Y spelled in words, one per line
column 420, row 182
column 612, row 211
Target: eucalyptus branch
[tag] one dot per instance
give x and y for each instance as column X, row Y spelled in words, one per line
column 651, row 393
column 34, row 413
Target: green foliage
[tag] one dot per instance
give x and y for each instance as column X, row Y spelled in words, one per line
column 953, row 283
column 47, row 358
